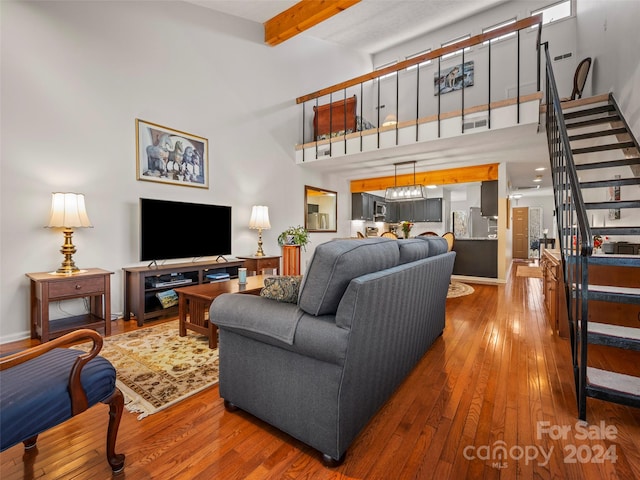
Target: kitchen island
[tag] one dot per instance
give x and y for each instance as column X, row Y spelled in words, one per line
column 476, row 257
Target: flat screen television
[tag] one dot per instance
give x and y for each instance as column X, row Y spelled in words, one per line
column 171, row 230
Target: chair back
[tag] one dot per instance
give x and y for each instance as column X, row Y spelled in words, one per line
column 450, row 238
column 428, row 234
column 580, row 78
column 389, row 235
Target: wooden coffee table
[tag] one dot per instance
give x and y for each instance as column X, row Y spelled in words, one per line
column 194, row 303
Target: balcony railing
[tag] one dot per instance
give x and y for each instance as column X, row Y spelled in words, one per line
column 511, row 79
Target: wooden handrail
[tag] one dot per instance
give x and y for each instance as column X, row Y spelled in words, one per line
column 475, row 40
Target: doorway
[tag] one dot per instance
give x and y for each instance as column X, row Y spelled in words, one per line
column 520, row 235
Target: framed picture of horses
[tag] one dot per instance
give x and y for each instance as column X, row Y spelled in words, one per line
column 170, row 156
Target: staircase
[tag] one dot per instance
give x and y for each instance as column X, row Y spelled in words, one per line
column 593, row 155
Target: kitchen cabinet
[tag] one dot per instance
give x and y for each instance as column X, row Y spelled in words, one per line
column 476, row 257
column 363, row 206
column 489, row 198
column 427, row 210
column 434, row 210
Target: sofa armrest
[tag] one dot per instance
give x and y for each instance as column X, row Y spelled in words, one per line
column 255, row 314
column 265, row 320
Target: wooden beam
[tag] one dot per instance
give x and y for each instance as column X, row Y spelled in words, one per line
column 449, row 176
column 303, row 15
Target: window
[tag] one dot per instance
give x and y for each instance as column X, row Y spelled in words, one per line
column 555, row 12
column 457, row 52
column 388, row 75
column 496, row 27
column 421, row 64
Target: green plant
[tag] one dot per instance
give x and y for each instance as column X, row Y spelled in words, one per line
column 294, row 236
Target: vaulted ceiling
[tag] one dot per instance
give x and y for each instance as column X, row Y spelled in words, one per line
column 375, row 25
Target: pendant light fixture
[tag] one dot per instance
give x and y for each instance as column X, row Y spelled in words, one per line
column 406, row 192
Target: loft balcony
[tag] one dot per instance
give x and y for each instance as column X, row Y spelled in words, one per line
column 480, row 86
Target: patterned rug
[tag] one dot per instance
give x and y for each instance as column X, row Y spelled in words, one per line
column 528, row 271
column 459, row 289
column 157, row 368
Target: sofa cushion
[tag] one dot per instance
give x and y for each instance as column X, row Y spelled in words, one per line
column 437, row 245
column 335, row 263
column 282, row 289
column 413, row 249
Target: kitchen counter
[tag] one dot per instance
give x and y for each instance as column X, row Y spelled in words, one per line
column 476, row 257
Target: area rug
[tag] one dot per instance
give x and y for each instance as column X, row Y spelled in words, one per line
column 528, row 271
column 459, row 289
column 157, row 368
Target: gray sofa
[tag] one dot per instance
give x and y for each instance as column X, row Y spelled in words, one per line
column 318, row 370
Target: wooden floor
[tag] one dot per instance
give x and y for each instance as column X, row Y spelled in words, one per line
column 493, row 398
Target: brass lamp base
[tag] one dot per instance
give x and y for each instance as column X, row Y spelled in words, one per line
column 68, row 266
column 259, row 253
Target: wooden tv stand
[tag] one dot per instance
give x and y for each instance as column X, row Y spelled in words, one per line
column 142, row 283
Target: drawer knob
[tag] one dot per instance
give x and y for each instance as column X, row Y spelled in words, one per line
column 78, row 286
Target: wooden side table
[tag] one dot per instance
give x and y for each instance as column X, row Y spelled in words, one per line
column 194, row 303
column 256, row 264
column 46, row 287
column 291, row 260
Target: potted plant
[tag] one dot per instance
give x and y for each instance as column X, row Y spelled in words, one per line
column 294, row 236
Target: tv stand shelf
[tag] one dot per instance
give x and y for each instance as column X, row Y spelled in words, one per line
column 141, row 285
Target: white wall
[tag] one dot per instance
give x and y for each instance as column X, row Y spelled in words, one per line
column 608, row 32
column 560, row 35
column 76, row 75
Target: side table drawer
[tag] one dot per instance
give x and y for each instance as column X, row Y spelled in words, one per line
column 269, row 263
column 85, row 286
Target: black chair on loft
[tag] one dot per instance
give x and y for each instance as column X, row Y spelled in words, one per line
column 579, row 80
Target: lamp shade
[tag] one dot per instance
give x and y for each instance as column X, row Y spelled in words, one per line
column 68, row 211
column 259, row 217
column 390, row 120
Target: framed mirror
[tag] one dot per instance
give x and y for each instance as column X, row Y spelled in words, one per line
column 321, row 209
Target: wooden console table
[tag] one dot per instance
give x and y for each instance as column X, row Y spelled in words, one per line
column 257, row 264
column 141, row 284
column 194, row 303
column 553, row 291
column 46, row 287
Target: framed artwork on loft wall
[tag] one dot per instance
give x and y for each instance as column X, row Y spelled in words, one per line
column 170, row 156
column 453, row 78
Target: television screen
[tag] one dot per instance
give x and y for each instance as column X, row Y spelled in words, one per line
column 181, row 230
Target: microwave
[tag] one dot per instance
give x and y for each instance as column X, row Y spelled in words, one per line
column 379, row 209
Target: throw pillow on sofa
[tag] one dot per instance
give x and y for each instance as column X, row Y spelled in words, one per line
column 282, row 289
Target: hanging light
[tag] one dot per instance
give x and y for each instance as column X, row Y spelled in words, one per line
column 403, row 193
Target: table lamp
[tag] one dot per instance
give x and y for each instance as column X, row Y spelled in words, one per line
column 68, row 212
column 259, row 220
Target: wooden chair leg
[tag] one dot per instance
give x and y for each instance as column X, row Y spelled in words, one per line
column 116, row 406
column 30, row 442
column 28, row 461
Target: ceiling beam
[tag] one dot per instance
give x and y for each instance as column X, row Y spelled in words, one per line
column 303, row 15
column 450, row 176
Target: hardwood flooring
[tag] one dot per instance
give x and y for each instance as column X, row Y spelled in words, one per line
column 491, row 397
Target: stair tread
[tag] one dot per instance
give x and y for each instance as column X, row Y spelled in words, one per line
column 617, row 331
column 614, row 256
column 614, row 289
column 618, row 382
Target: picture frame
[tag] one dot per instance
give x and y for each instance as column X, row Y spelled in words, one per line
column 453, row 78
column 166, row 155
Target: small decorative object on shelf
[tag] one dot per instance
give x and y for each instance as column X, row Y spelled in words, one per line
column 406, row 228
column 597, row 243
column 294, row 236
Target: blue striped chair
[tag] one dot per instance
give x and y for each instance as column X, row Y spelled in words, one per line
column 46, row 385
